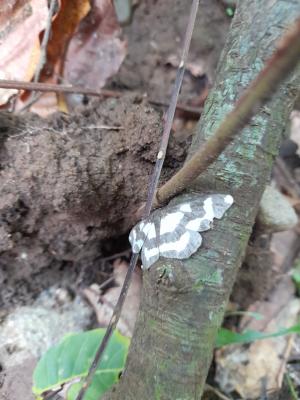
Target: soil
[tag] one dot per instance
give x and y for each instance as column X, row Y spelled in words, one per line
column 69, row 185
column 155, row 44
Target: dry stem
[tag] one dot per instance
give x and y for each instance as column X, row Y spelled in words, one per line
column 51, row 87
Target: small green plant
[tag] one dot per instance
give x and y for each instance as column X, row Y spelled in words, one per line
column 226, row 337
column 292, row 390
column 66, row 364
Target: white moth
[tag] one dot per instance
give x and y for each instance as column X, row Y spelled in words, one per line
column 173, row 231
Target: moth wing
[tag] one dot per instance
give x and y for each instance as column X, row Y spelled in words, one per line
column 137, row 237
column 182, row 244
column 150, row 251
column 165, row 236
column 182, row 239
column 194, row 215
column 172, row 232
column 221, row 203
column 205, row 209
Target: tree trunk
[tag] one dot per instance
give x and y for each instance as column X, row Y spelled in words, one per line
column 183, row 302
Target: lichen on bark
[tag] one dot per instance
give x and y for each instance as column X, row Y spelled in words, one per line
column 183, row 302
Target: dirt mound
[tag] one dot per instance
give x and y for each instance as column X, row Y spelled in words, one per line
column 70, row 182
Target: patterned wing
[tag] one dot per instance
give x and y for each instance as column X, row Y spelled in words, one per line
column 150, row 250
column 173, row 232
column 138, row 235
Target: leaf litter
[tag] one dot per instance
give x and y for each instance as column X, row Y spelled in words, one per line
column 94, row 35
column 20, row 25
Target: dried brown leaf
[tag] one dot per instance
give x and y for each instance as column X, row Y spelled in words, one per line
column 64, row 24
column 104, row 308
column 20, row 25
column 243, row 369
column 63, row 27
column 95, row 52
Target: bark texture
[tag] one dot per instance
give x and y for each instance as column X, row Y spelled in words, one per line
column 183, row 302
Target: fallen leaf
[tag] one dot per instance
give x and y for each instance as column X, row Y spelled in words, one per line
column 95, row 52
column 284, row 247
column 63, row 27
column 104, row 308
column 16, row 382
column 44, row 106
column 244, row 368
column 20, row 24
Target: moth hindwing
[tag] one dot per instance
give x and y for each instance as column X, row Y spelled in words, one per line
column 173, row 231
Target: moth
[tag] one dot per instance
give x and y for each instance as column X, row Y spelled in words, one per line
column 173, row 231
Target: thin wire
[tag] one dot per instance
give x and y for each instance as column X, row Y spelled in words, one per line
column 150, row 199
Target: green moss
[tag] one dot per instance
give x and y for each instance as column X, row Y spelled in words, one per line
column 209, row 276
column 152, row 323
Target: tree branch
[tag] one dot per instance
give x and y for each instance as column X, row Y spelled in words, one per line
column 183, row 301
column 279, row 66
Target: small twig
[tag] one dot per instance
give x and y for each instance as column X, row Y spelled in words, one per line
column 51, row 87
column 111, row 327
column 171, row 111
column 43, row 57
column 106, row 127
column 45, row 40
column 117, row 255
column 284, row 359
column 283, row 61
column 53, row 395
column 192, row 112
column 216, row 392
column 151, row 195
column 106, row 283
column 36, row 96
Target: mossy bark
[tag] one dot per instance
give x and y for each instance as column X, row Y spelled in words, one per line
column 183, row 302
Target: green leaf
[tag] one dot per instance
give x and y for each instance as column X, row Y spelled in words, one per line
column 70, row 360
column 292, row 390
column 226, row 337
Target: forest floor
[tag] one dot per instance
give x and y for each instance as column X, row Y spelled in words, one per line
column 71, row 184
